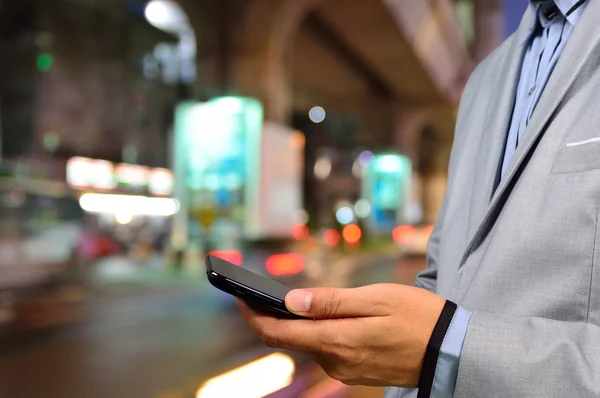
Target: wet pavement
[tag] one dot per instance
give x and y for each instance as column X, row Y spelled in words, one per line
column 160, row 337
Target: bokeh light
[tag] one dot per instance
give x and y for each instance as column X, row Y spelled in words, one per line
column 352, row 233
column 45, row 61
column 362, row 208
column 322, row 168
column 331, row 237
column 404, row 234
column 317, row 114
column 285, row 264
column 365, row 157
column 344, row 215
column 300, row 232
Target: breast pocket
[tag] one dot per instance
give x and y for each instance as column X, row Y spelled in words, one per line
column 577, row 156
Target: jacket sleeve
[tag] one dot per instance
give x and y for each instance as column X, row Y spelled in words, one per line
column 529, row 357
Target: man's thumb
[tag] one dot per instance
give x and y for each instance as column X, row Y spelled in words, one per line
column 299, row 301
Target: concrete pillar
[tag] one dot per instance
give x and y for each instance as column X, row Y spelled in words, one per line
column 429, row 155
column 408, row 124
column 251, row 61
column 433, row 190
column 489, row 27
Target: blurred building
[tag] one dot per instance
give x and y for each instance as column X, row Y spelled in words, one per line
column 386, row 73
column 72, row 82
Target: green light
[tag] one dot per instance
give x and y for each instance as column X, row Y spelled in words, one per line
column 44, row 62
column 392, row 164
column 51, row 141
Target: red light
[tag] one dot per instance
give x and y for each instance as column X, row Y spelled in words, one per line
column 233, row 256
column 428, row 230
column 300, row 232
column 284, row 264
column 404, row 234
column 352, row 233
column 331, row 237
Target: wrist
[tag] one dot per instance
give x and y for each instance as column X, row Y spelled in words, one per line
column 434, row 345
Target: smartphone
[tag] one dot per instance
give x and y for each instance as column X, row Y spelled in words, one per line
column 260, row 293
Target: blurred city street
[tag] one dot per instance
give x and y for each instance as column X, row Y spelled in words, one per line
column 154, row 337
column 306, row 141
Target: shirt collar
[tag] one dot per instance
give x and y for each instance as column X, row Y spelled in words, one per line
column 564, row 7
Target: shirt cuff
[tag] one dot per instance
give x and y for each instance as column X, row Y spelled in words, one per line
column 446, row 371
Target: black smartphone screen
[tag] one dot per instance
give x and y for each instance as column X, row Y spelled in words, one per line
column 263, row 294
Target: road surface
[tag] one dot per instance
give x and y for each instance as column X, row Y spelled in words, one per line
column 154, row 338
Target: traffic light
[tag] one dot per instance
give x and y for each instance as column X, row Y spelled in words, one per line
column 44, row 62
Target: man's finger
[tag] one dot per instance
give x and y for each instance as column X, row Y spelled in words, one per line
column 297, row 334
column 332, row 303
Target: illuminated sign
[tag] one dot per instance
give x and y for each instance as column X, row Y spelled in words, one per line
column 90, row 173
column 84, row 173
column 386, row 188
column 227, row 157
column 128, row 205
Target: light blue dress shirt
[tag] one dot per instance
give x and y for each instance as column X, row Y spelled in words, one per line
column 546, row 42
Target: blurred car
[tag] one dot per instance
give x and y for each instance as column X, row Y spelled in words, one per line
column 38, row 237
column 412, row 239
column 91, row 246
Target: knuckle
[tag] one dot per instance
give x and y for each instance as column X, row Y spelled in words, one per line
column 330, row 304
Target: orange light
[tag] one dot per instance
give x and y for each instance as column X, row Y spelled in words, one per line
column 352, row 233
column 331, row 237
column 297, row 140
column 427, row 231
column 404, row 234
column 300, row 232
column 232, row 256
column 284, row 264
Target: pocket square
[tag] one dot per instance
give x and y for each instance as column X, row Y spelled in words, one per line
column 584, row 142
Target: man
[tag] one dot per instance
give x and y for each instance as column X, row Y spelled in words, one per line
column 516, row 244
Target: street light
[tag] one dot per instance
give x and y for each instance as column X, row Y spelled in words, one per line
column 317, row 114
column 166, row 15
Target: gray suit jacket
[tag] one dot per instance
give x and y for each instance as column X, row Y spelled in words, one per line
column 526, row 258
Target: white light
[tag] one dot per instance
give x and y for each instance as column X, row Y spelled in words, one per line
column 322, row 168
column 166, row 15
column 79, row 171
column 357, row 169
column 105, row 175
column 301, row 217
column 317, row 114
column 161, row 182
column 391, row 164
column 362, row 208
column 134, row 175
column 123, row 218
column 254, row 380
column 344, row 215
column 125, row 204
column 83, row 172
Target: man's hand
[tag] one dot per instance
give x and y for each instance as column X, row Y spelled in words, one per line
column 374, row 335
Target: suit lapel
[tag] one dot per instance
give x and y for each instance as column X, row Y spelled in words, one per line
column 497, row 116
column 581, row 44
